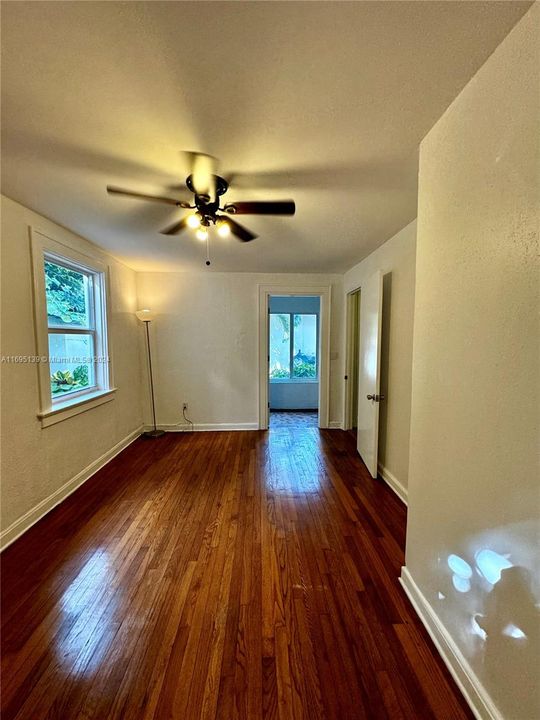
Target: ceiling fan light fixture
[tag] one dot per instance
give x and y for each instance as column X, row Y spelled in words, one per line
column 223, row 228
column 194, row 221
column 207, row 208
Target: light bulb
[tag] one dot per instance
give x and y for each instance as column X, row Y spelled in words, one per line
column 193, row 221
column 224, row 229
column 202, row 234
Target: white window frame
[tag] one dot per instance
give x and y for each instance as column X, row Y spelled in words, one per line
column 54, row 410
column 291, row 379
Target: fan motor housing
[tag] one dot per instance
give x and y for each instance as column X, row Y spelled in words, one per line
column 207, row 209
column 221, row 185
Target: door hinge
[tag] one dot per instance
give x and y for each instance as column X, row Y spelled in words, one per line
column 346, row 377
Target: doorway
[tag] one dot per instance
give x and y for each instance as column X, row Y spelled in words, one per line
column 294, row 331
column 293, row 367
column 362, row 394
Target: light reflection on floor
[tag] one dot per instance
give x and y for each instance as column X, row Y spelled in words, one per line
column 88, row 606
column 293, row 467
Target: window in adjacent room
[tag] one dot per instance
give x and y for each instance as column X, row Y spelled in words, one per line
column 293, row 346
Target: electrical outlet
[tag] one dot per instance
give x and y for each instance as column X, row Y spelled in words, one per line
column 184, row 406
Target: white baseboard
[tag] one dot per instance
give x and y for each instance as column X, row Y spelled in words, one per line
column 394, row 483
column 20, row 526
column 472, row 689
column 334, row 425
column 205, row 427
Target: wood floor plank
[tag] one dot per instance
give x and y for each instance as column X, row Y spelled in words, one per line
column 220, row 576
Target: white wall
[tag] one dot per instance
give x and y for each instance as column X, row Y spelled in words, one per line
column 396, row 259
column 205, row 341
column 298, row 394
column 36, row 462
column 473, row 481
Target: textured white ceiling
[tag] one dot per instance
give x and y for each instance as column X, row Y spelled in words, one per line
column 325, row 102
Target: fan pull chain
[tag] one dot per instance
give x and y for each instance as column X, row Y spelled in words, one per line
column 208, row 249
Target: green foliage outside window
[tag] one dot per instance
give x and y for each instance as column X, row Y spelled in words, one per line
column 63, row 381
column 304, row 369
column 278, row 373
column 66, row 295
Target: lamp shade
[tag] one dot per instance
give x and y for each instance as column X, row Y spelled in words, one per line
column 145, row 315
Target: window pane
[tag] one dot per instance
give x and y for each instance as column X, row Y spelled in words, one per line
column 305, row 346
column 71, row 363
column 280, row 334
column 67, row 296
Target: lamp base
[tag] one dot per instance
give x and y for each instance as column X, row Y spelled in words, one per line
column 152, row 434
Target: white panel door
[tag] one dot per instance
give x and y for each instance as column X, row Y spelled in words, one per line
column 370, row 370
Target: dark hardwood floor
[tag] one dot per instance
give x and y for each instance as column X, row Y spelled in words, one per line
column 220, row 575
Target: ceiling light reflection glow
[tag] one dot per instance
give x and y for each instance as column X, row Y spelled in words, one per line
column 459, row 566
column 491, row 564
column 477, row 630
column 462, row 585
column 514, row 632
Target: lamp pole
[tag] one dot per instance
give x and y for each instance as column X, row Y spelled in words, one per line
column 146, row 317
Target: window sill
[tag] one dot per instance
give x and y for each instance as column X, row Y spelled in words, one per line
column 67, row 409
column 293, row 381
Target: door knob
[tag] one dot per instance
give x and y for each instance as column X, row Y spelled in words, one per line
column 377, row 398
column 371, row 397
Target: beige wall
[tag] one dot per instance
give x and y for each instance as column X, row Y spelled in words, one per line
column 206, row 343
column 473, row 480
column 37, row 461
column 396, row 259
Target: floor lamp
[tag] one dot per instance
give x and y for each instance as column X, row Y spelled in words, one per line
column 146, row 316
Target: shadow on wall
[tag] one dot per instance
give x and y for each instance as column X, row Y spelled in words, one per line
column 498, row 593
column 510, row 623
column 385, row 364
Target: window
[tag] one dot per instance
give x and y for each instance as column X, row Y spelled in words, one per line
column 71, row 329
column 293, row 346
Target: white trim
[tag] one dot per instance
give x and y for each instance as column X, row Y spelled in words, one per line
column 204, row 427
column 324, row 293
column 86, row 402
column 394, row 483
column 348, row 421
column 294, row 381
column 25, row 522
column 468, row 682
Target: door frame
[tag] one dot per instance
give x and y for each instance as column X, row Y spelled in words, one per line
column 349, row 333
column 324, row 294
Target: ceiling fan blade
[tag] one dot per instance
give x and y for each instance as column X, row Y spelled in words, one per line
column 240, row 231
column 271, row 207
column 203, row 170
column 176, row 228
column 112, row 190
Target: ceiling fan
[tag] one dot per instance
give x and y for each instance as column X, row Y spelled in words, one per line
column 208, row 189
